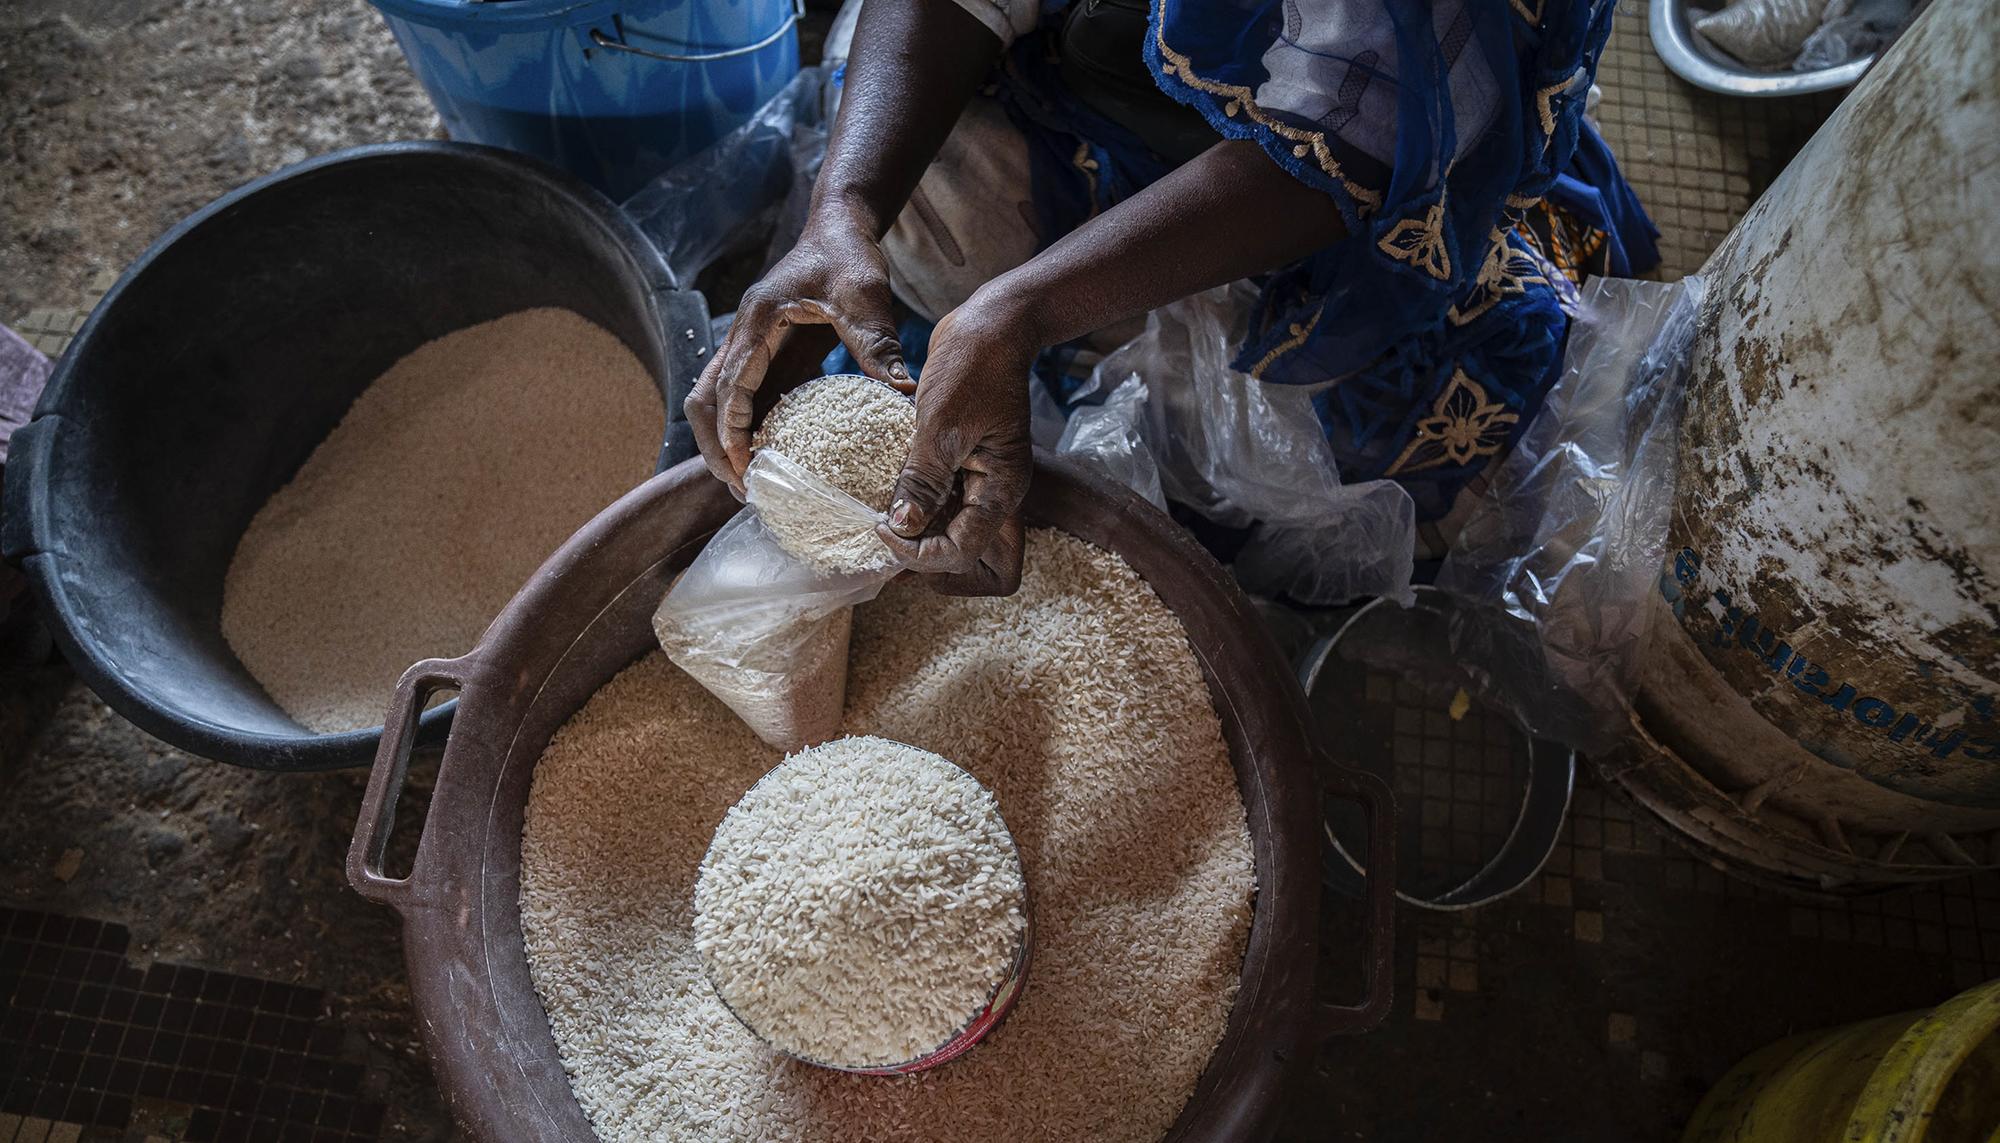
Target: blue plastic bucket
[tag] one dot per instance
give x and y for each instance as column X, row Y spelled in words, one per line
column 615, row 91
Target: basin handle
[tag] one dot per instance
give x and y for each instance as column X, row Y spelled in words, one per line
column 385, row 781
column 1372, row 794
column 798, row 12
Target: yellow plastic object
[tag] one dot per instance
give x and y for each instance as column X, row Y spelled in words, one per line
column 1918, row 1077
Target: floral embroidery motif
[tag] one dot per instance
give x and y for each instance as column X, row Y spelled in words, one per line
column 1545, row 105
column 1242, row 100
column 1083, row 161
column 1463, row 426
column 1298, row 333
column 1420, row 242
column 1506, row 272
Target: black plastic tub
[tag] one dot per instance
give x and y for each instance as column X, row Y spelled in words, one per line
column 227, row 353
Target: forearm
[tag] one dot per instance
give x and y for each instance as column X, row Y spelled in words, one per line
column 914, row 66
column 1228, row 213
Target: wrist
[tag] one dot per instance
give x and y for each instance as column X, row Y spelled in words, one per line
column 1007, row 309
column 847, row 208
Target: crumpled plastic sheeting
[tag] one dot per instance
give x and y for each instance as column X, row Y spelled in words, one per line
column 1564, row 550
column 743, row 187
column 1108, row 436
column 1853, row 28
column 1241, row 452
column 1365, row 546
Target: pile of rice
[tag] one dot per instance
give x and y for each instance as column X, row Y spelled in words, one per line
column 1079, row 703
column 861, row 905
column 447, row 483
column 852, row 432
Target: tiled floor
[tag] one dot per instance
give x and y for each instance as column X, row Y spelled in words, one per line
column 1698, row 160
column 50, row 330
column 1598, row 1003
column 94, row 1047
column 1606, row 996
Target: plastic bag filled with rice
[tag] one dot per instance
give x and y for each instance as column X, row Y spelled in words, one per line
column 762, row 617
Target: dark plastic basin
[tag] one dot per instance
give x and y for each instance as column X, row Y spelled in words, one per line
column 232, row 347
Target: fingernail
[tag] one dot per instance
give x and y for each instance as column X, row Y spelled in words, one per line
column 899, row 515
column 899, row 371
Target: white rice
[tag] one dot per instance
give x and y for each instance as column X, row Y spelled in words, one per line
column 449, row 480
column 1078, row 702
column 861, row 905
column 854, row 433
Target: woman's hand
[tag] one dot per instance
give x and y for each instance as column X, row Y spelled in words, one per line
column 956, row 513
column 835, row 275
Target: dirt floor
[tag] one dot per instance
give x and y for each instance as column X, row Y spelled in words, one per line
column 117, row 119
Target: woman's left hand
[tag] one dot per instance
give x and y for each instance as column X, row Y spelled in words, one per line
column 956, row 513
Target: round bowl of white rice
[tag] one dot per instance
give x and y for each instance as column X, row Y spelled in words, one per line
column 862, row 907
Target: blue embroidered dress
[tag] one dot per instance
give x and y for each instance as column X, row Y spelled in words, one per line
column 1450, row 133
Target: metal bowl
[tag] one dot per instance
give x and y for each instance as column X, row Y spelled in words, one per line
column 1694, row 59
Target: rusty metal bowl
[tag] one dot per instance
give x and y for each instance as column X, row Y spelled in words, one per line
column 585, row 616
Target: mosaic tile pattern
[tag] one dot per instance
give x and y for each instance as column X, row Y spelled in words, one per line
column 1604, row 999
column 1698, row 160
column 93, row 1047
column 50, row 330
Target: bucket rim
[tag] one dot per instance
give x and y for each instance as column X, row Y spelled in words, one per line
column 530, row 15
column 30, row 541
column 525, row 13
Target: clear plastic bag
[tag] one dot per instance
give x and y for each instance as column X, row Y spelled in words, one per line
column 742, row 187
column 1564, row 549
column 762, row 616
column 1762, row 33
column 1107, row 436
column 1853, row 28
column 1364, row 546
column 1243, row 453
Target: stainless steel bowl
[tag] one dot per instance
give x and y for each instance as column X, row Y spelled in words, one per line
column 1693, row 59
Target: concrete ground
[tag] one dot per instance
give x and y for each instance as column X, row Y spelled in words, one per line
column 118, row 118
column 1599, row 1004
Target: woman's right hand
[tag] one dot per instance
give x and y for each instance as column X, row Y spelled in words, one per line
column 835, row 275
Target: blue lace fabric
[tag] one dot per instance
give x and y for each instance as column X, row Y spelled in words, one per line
column 1451, row 135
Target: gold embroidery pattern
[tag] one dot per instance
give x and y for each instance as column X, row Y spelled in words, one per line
column 1462, row 426
column 1420, row 242
column 1298, row 332
column 1241, row 102
column 1505, row 272
column 1089, row 166
column 1545, row 106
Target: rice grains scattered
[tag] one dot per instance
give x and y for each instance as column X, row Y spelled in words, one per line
column 861, row 905
column 1078, row 702
column 448, row 481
